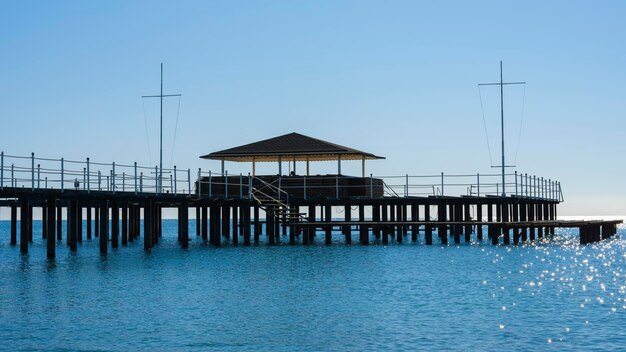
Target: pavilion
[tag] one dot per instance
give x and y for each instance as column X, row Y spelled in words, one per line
column 295, row 147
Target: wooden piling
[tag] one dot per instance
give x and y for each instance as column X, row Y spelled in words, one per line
column 103, row 218
column 414, row 217
column 345, row 229
column 257, row 224
column 23, row 226
column 479, row 217
column 72, row 237
column 428, row 230
column 183, row 220
column 205, row 223
column 50, row 224
column 148, row 223
column 124, row 209
column 235, row 219
column 363, row 230
column 13, row 225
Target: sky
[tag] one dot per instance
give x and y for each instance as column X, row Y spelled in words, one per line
column 394, row 78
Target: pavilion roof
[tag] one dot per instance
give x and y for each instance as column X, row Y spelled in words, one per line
column 288, row 147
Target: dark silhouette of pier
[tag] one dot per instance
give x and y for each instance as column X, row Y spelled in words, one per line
column 113, row 199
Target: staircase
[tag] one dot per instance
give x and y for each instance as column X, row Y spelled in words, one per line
column 274, row 200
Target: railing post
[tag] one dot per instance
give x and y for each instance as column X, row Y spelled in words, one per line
column 62, row 177
column 337, row 186
column 113, row 178
column 210, row 184
column 189, row 180
column 249, row 186
column 199, row 186
column 141, row 182
column 135, row 167
column 175, row 179
column 371, row 186
column 1, row 170
column 38, row 176
column 516, row 183
column 305, row 187
column 84, row 178
column 535, row 186
column 478, row 185
column 88, row 178
column 240, row 186
column 406, row 186
column 442, row 184
column 171, row 184
column 32, row 170
column 123, row 181
column 99, row 180
column 226, row 184
column 13, row 181
column 157, row 182
column 46, row 182
column 526, row 177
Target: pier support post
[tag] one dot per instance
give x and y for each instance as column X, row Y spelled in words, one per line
column 103, row 217
column 226, row 221
column 183, row 224
column 205, row 223
column 363, row 230
column 88, row 209
column 414, row 217
column 124, row 209
column 327, row 228
column 257, row 225
column 506, row 239
column 346, row 229
column 115, row 224
column 246, row 224
column 376, row 218
column 148, row 223
column 236, row 228
column 23, row 226
column 96, row 224
column 479, row 217
column 59, row 222
column 385, row 229
column 72, row 237
column 399, row 219
column 457, row 216
column 442, row 217
column 79, row 222
column 270, row 218
column 428, row 230
column 198, row 221
column 51, row 224
column 467, row 218
column 13, row 225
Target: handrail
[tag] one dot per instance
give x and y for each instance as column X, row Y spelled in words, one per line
column 32, row 172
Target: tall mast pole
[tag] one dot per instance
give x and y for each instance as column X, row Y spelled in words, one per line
column 161, row 134
column 502, row 127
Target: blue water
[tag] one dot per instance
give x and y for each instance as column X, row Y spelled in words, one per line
column 550, row 296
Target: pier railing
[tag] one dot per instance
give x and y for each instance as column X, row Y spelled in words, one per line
column 86, row 175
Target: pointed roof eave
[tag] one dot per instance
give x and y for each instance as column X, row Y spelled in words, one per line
column 292, row 146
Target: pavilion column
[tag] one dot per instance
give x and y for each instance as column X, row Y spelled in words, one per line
column 253, row 166
column 363, row 167
column 307, row 166
column 294, row 165
column 280, row 166
column 222, row 166
column 338, row 164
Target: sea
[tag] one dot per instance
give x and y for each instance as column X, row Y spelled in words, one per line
column 550, row 295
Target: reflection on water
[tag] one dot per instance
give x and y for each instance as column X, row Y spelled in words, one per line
column 553, row 295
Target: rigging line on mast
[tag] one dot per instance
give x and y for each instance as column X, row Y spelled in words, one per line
column 482, row 109
column 175, row 131
column 521, row 123
column 145, row 121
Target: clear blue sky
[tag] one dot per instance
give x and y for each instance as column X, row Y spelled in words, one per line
column 395, row 78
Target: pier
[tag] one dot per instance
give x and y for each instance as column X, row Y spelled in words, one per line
column 119, row 203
